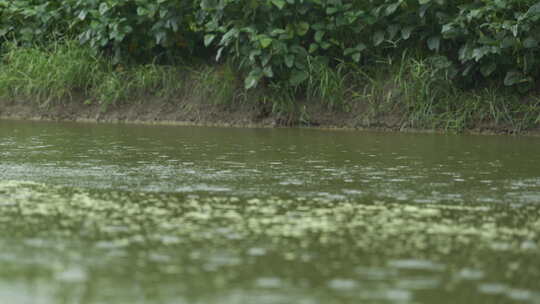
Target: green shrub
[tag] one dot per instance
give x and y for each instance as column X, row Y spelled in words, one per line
column 32, row 21
column 137, row 27
column 278, row 39
column 124, row 28
column 287, row 42
column 497, row 38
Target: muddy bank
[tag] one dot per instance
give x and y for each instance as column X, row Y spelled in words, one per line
column 231, row 115
column 204, row 114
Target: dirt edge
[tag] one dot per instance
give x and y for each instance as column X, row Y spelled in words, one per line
column 212, row 115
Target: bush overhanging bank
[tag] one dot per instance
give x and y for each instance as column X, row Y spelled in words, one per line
column 327, row 50
column 280, row 39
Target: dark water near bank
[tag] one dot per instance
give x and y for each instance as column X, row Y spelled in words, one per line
column 139, row 214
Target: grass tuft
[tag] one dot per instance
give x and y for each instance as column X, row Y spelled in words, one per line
column 138, row 83
column 52, row 73
column 218, row 85
column 329, row 85
column 416, row 90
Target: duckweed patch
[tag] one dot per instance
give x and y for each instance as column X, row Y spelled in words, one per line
column 312, row 249
column 118, row 219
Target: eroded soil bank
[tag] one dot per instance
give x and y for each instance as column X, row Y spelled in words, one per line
column 236, row 115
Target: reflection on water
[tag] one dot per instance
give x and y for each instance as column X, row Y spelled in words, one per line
column 129, row 214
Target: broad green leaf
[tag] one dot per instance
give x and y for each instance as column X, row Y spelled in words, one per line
column 208, row 39
column 378, row 38
column 356, row 57
column 103, row 8
column 331, row 10
column 298, row 49
column 313, row 47
column 325, row 45
column 440, row 62
column 349, row 51
column 319, row 35
column 265, row 59
column 265, row 41
column 302, row 28
column 406, row 32
column 434, row 43
column 390, row 9
column 535, row 9
column 82, row 14
column 219, row 52
column 279, row 3
column 253, row 54
column 360, row 47
column 488, row 69
column 250, row 82
column 267, row 71
column 290, row 30
column 253, row 78
column 289, row 60
column 160, row 37
column 277, row 32
column 141, row 11
column 228, row 36
column 479, row 53
column 515, row 30
column 514, row 77
column 448, row 30
column 422, row 11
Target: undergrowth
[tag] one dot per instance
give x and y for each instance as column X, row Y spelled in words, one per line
column 413, row 88
column 44, row 74
column 66, row 71
column 425, row 97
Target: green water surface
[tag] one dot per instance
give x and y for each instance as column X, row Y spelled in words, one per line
column 144, row 214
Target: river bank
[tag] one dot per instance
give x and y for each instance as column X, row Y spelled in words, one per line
column 158, row 112
column 68, row 82
column 405, row 69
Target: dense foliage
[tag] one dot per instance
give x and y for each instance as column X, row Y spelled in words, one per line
column 134, row 28
column 281, row 40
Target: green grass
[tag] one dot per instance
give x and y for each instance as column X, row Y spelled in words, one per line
column 66, row 71
column 218, row 85
column 427, row 98
column 138, row 83
column 329, row 85
column 413, row 88
column 45, row 74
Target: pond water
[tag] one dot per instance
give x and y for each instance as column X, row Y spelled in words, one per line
column 145, row 214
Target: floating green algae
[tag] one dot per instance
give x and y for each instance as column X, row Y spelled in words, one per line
column 209, row 215
column 361, row 224
column 315, row 249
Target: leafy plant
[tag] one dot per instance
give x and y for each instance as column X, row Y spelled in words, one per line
column 279, row 42
column 126, row 29
column 136, row 27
